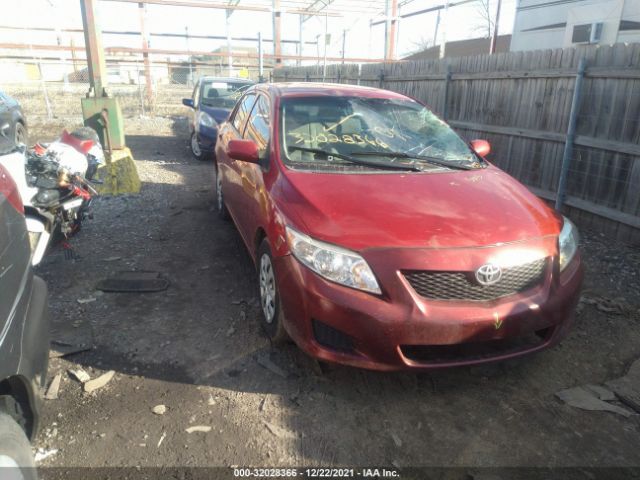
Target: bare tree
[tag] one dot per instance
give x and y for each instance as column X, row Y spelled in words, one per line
column 485, row 20
column 420, row 45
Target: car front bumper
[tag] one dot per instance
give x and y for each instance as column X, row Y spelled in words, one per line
column 207, row 138
column 402, row 330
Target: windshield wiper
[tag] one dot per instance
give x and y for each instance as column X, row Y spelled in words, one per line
column 348, row 158
column 431, row 160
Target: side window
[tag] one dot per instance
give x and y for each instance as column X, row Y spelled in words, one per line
column 258, row 125
column 196, row 95
column 242, row 111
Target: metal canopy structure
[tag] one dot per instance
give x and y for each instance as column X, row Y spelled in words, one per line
column 305, row 9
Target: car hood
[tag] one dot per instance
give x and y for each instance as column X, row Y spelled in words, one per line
column 218, row 114
column 439, row 210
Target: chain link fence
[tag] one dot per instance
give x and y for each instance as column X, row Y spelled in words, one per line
column 52, row 89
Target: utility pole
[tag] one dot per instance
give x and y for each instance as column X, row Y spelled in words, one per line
column 324, row 64
column 229, row 51
column 494, row 37
column 276, row 33
column 260, row 59
column 300, row 39
column 435, row 33
column 142, row 9
column 391, row 37
column 443, row 42
column 344, row 42
column 186, row 33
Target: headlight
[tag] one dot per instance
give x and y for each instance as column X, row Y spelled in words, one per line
column 205, row 119
column 332, row 262
column 568, row 242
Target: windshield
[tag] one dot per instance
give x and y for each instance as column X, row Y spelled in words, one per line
column 324, row 132
column 222, row 94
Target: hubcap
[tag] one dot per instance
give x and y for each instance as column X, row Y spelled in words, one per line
column 267, row 288
column 195, row 148
column 219, row 192
column 20, row 135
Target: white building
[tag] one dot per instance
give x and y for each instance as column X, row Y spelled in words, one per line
column 542, row 24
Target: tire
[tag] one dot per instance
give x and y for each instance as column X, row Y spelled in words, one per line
column 196, row 151
column 221, row 207
column 15, row 450
column 271, row 307
column 21, row 134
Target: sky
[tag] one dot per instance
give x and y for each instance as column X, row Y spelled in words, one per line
column 362, row 41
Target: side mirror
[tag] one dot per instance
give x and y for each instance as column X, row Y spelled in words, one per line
column 4, row 129
column 243, row 150
column 481, row 147
column 187, row 102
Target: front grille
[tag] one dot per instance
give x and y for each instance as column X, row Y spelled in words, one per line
column 464, row 286
column 475, row 351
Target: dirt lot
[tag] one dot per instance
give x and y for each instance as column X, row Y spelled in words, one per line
column 197, row 348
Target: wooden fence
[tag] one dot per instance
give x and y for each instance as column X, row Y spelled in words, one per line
column 522, row 103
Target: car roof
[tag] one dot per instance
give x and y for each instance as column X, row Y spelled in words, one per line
column 309, row 89
column 228, row 79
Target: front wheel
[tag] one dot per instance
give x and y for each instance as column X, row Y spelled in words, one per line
column 21, row 134
column 272, row 316
column 196, row 151
column 15, row 450
column 223, row 213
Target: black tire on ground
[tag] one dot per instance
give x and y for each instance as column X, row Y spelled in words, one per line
column 21, row 134
column 15, row 448
column 272, row 317
column 197, row 153
column 221, row 207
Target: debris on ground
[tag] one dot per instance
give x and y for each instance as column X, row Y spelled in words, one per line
column 585, row 399
column 266, row 362
column 615, row 306
column 54, row 387
column 164, row 435
column 198, row 428
column 134, row 281
column 62, row 349
column 80, row 375
column 159, row 409
column 101, row 381
column 86, row 300
column 396, row 439
column 42, row 454
column 278, row 431
column 627, row 388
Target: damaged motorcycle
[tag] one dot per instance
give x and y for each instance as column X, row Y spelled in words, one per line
column 55, row 182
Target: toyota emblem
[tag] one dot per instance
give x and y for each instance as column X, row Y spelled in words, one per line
column 488, row 274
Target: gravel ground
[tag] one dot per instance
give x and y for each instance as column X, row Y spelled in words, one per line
column 197, row 349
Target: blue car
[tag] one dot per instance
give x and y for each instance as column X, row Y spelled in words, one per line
column 211, row 103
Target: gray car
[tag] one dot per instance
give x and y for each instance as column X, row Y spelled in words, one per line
column 13, row 126
column 24, row 335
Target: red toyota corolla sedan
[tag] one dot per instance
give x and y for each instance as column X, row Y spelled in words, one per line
column 382, row 239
